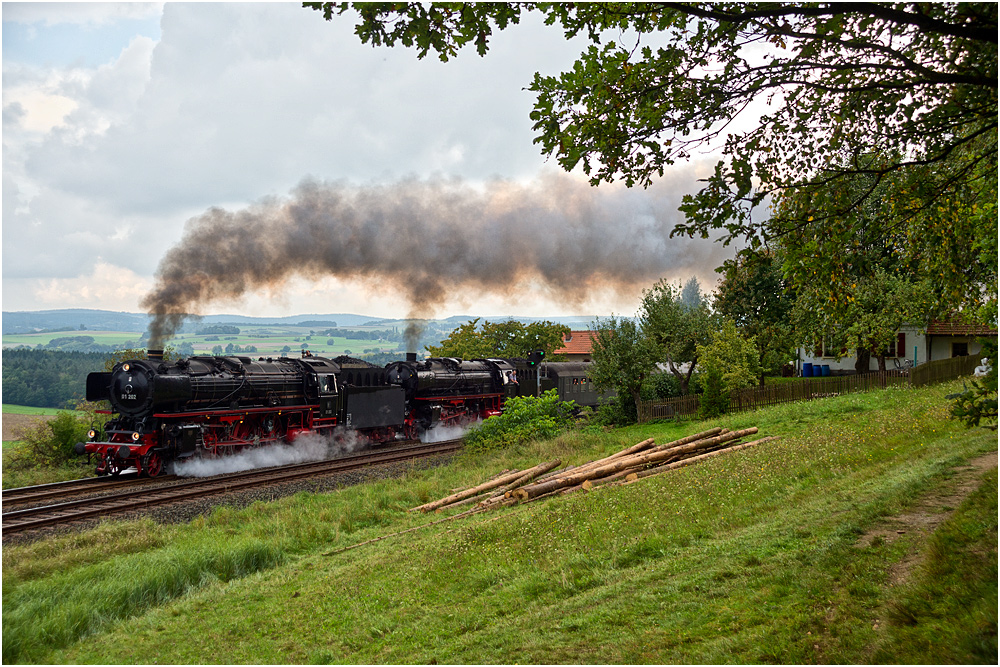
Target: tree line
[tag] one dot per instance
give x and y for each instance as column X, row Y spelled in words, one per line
column 48, row 378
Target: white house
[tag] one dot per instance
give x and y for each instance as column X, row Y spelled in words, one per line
column 918, row 345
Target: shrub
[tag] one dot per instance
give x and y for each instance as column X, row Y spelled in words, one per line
column 620, row 410
column 660, row 386
column 525, row 418
column 48, row 444
column 715, row 399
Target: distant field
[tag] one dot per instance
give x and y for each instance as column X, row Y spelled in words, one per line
column 102, row 337
column 269, row 341
column 27, row 410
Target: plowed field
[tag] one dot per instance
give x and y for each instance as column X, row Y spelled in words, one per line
column 14, row 423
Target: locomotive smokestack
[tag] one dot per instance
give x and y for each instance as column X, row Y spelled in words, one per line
column 411, row 356
column 154, row 355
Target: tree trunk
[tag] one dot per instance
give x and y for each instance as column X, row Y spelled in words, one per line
column 862, row 361
column 687, row 380
column 681, row 378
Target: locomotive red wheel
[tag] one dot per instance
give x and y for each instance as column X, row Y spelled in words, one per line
column 152, row 464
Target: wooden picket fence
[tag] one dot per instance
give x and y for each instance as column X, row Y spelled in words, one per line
column 944, row 369
column 805, row 389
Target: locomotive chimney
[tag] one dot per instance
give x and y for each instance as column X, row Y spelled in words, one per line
column 154, row 355
column 411, row 356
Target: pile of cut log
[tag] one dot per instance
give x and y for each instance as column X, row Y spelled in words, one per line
column 629, row 465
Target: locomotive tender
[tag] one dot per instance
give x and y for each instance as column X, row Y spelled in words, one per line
column 162, row 411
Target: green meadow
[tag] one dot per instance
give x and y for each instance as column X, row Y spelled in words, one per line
column 269, row 341
column 765, row 555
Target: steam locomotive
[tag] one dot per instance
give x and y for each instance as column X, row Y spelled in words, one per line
column 163, row 411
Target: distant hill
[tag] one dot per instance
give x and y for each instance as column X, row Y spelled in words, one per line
column 30, row 321
column 77, row 319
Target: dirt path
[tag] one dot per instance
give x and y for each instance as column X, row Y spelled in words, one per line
column 14, row 423
column 930, row 512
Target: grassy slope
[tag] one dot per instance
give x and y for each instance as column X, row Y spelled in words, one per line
column 748, row 558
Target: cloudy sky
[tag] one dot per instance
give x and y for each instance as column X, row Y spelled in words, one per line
column 125, row 124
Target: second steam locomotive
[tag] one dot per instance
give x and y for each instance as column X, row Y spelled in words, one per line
column 162, row 411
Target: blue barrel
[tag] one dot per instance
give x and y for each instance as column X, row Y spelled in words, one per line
column 807, row 370
column 826, row 370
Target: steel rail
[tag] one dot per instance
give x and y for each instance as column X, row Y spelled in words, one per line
column 38, row 517
column 29, row 494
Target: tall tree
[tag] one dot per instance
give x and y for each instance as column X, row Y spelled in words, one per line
column 755, row 295
column 915, row 83
column 675, row 328
column 623, row 357
column 691, row 293
column 506, row 339
column 728, row 362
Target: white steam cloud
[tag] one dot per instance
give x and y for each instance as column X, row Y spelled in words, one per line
column 306, row 448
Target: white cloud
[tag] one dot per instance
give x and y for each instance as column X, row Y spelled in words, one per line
column 227, row 104
column 78, row 13
column 105, row 286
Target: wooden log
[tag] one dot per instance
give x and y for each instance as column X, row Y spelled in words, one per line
column 529, row 475
column 706, row 443
column 486, row 495
column 695, row 459
column 629, row 451
column 624, row 463
column 645, row 444
column 519, row 476
column 474, row 491
column 595, row 482
column 556, row 473
column 600, row 481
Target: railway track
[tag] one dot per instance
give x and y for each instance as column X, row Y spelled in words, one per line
column 17, row 521
column 77, row 487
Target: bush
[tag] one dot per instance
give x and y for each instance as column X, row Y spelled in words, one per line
column 661, row 386
column 978, row 405
column 715, row 399
column 525, row 418
column 620, row 410
column 49, row 444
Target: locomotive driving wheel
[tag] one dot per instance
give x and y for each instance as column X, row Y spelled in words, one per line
column 152, row 464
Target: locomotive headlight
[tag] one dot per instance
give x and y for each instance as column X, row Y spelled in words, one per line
column 91, row 434
column 125, row 367
column 136, row 436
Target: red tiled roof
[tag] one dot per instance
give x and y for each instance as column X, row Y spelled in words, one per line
column 577, row 342
column 937, row 328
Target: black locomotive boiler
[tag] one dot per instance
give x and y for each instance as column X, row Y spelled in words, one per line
column 162, row 411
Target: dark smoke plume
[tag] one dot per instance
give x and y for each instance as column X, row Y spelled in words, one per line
column 430, row 240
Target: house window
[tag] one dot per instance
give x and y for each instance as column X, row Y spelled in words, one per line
column 828, row 348
column 897, row 348
column 959, row 349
